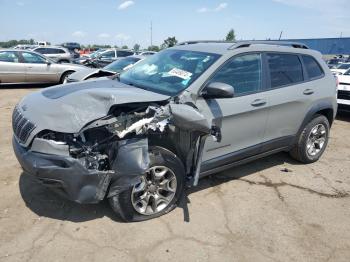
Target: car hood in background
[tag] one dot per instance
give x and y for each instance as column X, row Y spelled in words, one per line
column 85, row 73
column 68, row 108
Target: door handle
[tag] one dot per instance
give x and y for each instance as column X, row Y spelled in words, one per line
column 258, row 102
column 308, row 92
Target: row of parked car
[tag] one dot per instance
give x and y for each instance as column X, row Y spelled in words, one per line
column 56, row 64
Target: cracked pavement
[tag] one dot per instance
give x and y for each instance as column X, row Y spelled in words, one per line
column 273, row 209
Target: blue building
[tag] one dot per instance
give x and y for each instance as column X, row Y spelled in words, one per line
column 327, row 46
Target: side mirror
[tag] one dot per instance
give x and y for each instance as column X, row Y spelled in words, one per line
column 48, row 62
column 218, row 90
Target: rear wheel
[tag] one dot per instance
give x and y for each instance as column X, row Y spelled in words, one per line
column 312, row 141
column 157, row 193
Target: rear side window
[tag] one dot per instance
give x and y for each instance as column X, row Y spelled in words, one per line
column 242, row 72
column 285, row 69
column 124, row 53
column 313, row 69
column 59, row 51
column 41, row 50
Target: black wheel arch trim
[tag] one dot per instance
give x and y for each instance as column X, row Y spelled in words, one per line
column 322, row 108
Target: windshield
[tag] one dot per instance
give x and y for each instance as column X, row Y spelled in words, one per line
column 170, row 71
column 333, row 61
column 347, row 72
column 343, row 66
column 94, row 54
column 122, row 64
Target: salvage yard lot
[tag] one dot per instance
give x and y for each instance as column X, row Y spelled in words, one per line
column 273, row 209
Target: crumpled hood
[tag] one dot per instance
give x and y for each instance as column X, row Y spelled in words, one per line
column 68, row 108
column 85, row 73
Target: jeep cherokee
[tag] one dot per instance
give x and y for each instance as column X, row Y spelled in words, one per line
column 188, row 111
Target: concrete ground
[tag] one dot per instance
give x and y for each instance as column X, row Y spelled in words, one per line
column 273, row 209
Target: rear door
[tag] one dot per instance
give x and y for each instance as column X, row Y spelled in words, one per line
column 11, row 70
column 38, row 70
column 242, row 119
column 289, row 97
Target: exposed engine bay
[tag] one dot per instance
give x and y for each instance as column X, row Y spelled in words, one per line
column 119, row 142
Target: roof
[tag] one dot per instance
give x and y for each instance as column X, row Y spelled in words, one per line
column 223, row 47
column 212, row 47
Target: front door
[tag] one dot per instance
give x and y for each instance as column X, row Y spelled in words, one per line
column 38, row 70
column 242, row 119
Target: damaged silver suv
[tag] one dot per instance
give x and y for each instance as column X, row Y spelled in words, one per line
column 192, row 110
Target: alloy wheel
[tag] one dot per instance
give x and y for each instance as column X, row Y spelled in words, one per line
column 155, row 191
column 316, row 140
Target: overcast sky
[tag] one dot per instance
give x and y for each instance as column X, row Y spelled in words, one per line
column 128, row 22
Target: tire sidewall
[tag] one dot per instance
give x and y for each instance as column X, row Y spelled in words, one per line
column 306, row 132
column 121, row 203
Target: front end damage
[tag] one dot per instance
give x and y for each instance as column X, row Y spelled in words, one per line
column 110, row 154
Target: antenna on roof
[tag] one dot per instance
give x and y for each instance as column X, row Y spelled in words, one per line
column 280, row 35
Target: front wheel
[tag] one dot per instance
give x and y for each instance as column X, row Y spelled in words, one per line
column 64, row 77
column 312, row 141
column 158, row 191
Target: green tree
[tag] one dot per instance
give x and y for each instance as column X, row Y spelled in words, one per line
column 153, row 48
column 231, row 35
column 125, row 47
column 169, row 42
column 136, row 47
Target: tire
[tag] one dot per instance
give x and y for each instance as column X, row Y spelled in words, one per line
column 309, row 147
column 64, row 76
column 128, row 204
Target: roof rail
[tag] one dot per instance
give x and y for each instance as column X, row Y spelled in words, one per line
column 268, row 42
column 191, row 42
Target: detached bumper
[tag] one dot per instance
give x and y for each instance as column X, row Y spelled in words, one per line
column 65, row 175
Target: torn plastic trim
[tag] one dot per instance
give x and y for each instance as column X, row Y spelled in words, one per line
column 184, row 116
column 130, row 164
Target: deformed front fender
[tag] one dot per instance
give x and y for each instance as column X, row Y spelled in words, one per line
column 130, row 163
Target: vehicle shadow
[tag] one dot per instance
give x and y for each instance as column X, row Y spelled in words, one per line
column 343, row 116
column 236, row 173
column 43, row 202
column 2, row 86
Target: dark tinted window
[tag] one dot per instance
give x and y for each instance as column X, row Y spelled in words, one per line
column 124, row 53
column 122, row 64
column 41, row 50
column 285, row 69
column 56, row 51
column 242, row 72
column 313, row 69
column 8, row 56
column 60, row 51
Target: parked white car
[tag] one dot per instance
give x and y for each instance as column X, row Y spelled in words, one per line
column 341, row 69
column 344, row 90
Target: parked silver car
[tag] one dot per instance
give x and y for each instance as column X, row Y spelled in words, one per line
column 28, row 67
column 115, row 67
column 113, row 54
column 57, row 53
column 188, row 111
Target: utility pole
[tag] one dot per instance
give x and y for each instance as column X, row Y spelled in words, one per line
column 151, row 34
column 280, row 35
